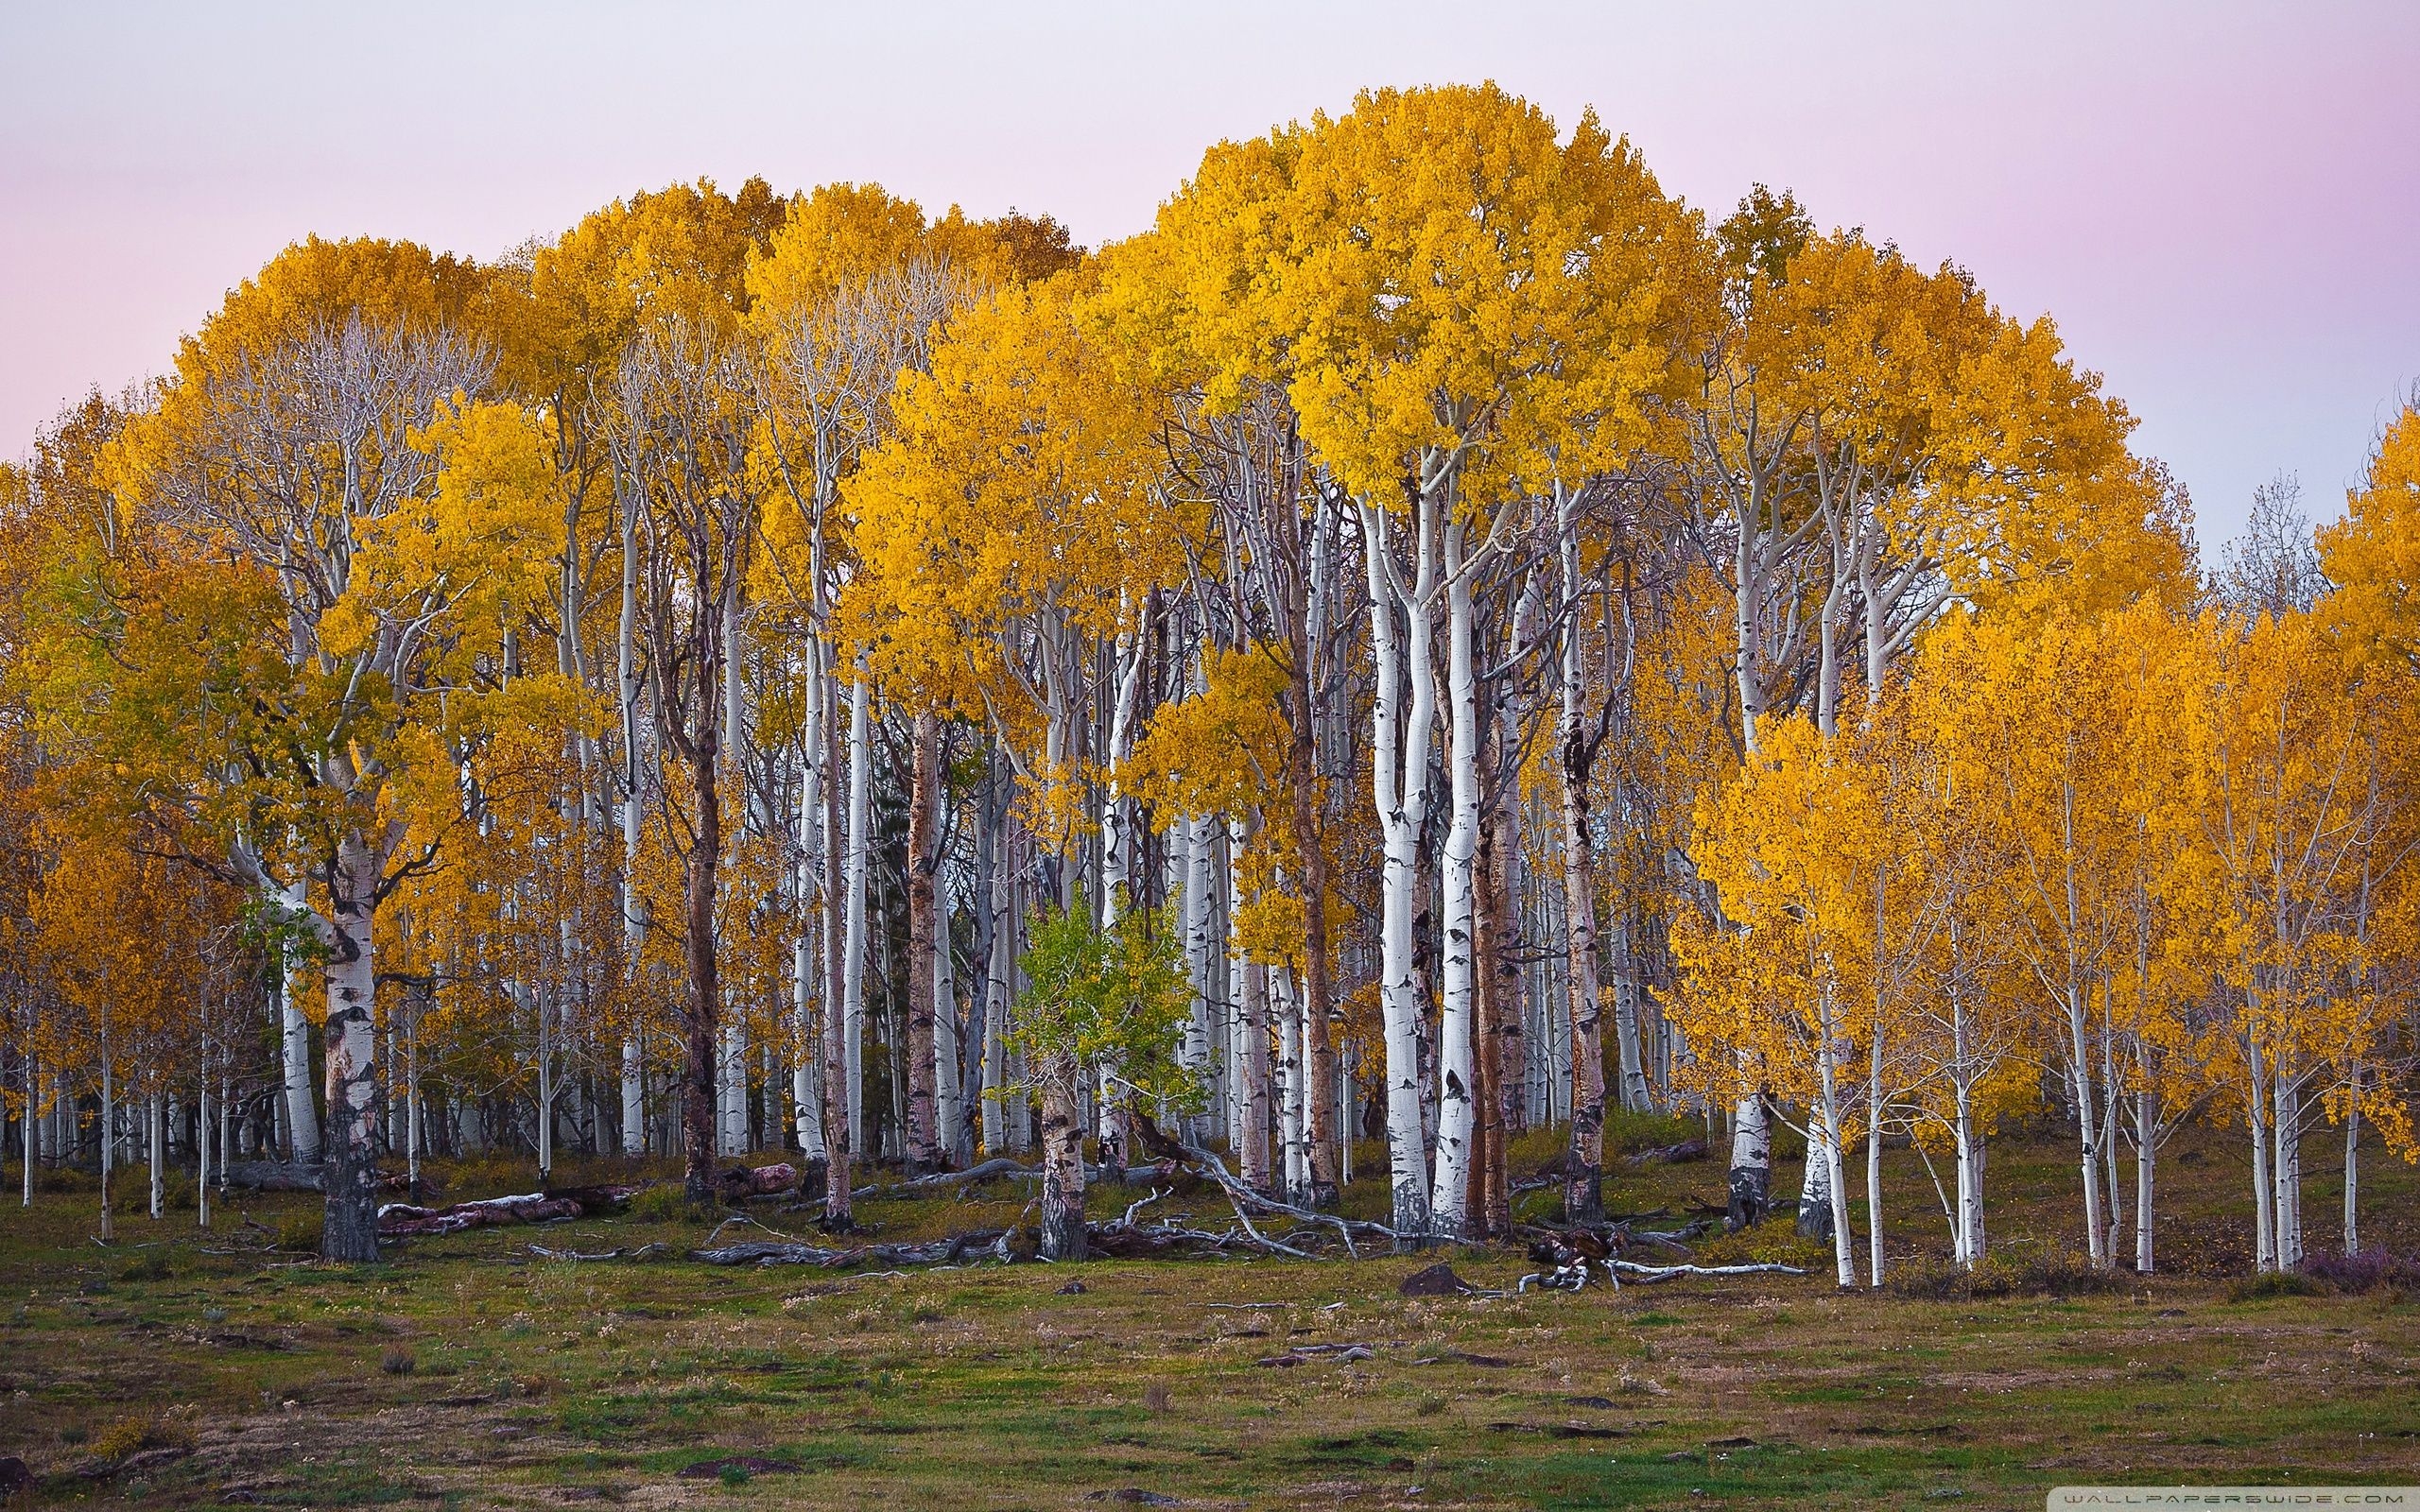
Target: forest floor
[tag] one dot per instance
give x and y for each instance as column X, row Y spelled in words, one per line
column 184, row 1369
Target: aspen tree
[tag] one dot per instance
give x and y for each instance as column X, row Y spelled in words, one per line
column 1007, row 529
column 303, row 440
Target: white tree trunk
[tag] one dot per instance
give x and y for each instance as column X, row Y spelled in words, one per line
column 2146, row 1160
column 2264, row 1212
column 633, row 1098
column 1963, row 1222
column 730, row 1085
column 1752, row 1154
column 349, row 1229
column 807, row 1064
column 2286, row 1177
column 538, row 1001
column 633, row 912
column 109, row 1134
column 1116, row 860
column 412, row 1132
column 1874, row 1160
column 852, row 968
column 203, row 1136
column 302, row 1117
column 1193, row 896
column 1815, row 1183
column 1293, row 1092
column 33, row 1113
column 156, row 1131
column 1399, row 765
column 1844, row 1255
column 2353, row 1165
column 995, row 997
column 1456, row 1105
column 2087, row 1126
column 949, row 1112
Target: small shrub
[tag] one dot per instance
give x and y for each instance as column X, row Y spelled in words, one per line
column 171, row 1430
column 662, row 1204
column 151, row 1267
column 2018, row 1269
column 1155, row 1397
column 734, row 1475
column 398, row 1360
column 2051, row 1272
column 2364, row 1270
column 1928, row 1277
column 1776, row 1242
column 2276, row 1283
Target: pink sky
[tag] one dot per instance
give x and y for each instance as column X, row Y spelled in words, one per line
column 2218, row 202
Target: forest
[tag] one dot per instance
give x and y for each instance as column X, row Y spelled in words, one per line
column 1434, row 645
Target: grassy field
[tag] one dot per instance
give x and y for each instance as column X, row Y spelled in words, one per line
column 179, row 1368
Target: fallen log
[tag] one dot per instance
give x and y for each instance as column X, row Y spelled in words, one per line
column 1669, row 1154
column 1002, row 1166
column 741, row 1182
column 781, row 1252
column 1665, row 1273
column 401, row 1220
column 597, row 1200
column 1121, row 1240
column 274, row 1175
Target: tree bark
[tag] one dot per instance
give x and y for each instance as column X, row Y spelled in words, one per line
column 2087, row 1126
column 301, row 1116
column 1457, row 1107
column 1751, row 1163
column 1399, row 765
column 1254, row 1164
column 2286, row 1177
column 1316, row 1111
column 350, row 1228
column 1584, row 1170
column 1063, row 1164
column 2146, row 1158
column 924, row 1151
column 2352, row 1162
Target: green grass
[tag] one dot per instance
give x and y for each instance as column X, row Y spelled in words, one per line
column 535, row 1382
